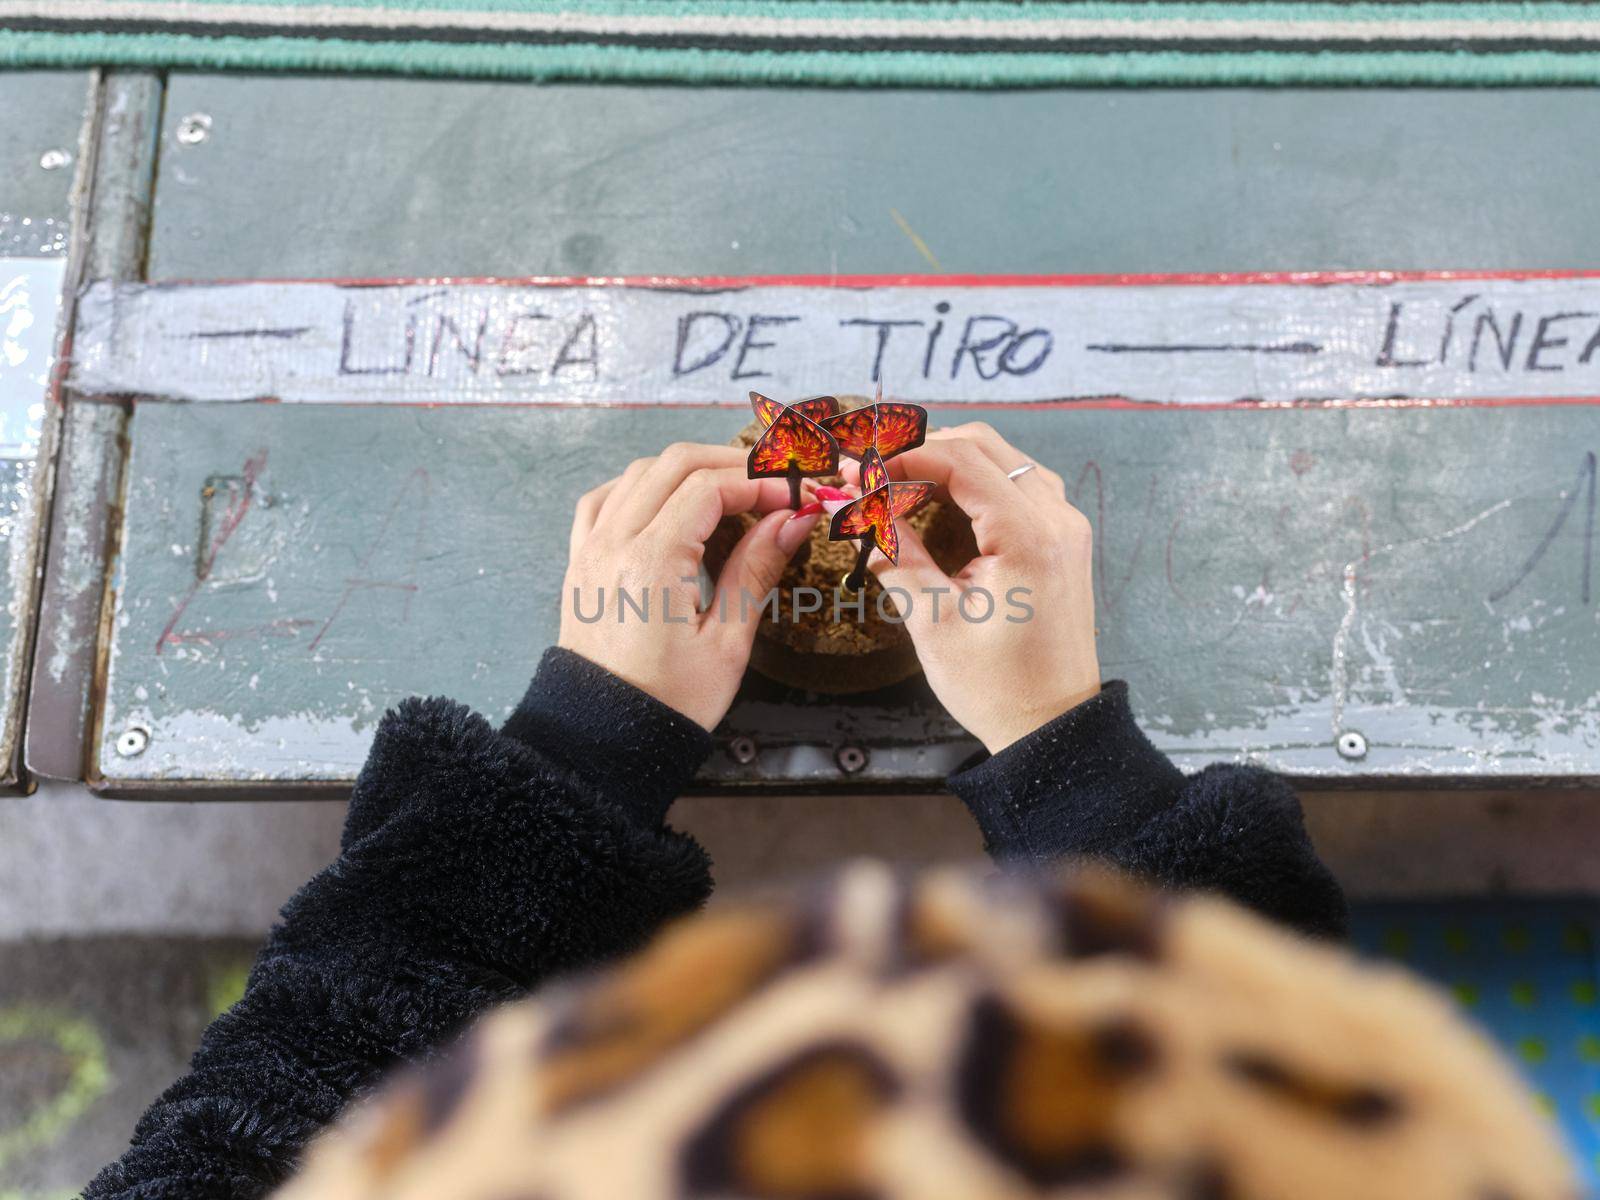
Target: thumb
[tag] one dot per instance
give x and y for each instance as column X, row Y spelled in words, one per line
column 914, row 571
column 756, row 564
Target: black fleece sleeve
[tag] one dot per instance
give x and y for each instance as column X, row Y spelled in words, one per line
column 1090, row 784
column 475, row 864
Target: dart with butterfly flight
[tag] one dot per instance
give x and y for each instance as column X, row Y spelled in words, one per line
column 794, row 443
column 890, row 428
column 871, row 434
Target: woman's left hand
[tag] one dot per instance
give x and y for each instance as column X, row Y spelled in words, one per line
column 637, row 544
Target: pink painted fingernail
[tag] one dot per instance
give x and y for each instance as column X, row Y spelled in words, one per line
column 806, row 510
column 824, row 492
column 795, row 530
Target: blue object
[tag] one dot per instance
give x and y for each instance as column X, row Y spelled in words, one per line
column 1526, row 971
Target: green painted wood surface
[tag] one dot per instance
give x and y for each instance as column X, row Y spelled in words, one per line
column 1265, row 580
column 43, row 114
column 370, row 177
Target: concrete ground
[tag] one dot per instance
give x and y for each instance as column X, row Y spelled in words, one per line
column 91, row 1029
column 125, row 926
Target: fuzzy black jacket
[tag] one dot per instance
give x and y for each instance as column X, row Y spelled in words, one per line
column 476, row 864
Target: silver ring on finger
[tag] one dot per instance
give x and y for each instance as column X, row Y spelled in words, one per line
column 1021, row 471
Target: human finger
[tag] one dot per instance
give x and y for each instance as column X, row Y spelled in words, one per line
column 1037, row 480
column 586, row 513
column 657, row 482
column 708, row 494
column 626, row 482
column 999, row 511
column 753, row 569
column 913, row 574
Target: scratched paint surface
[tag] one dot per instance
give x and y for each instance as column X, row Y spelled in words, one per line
column 387, row 177
column 1266, row 580
column 38, row 155
column 1171, row 342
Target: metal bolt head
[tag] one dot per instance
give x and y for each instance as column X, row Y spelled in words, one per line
column 194, row 129
column 742, row 750
column 1351, row 745
column 54, row 160
column 851, row 759
column 132, row 741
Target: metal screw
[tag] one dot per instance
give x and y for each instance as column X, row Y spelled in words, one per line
column 133, row 741
column 54, row 160
column 743, row 750
column 851, row 759
column 194, row 129
column 1351, row 745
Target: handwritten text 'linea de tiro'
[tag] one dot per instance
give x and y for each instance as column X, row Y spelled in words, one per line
column 1471, row 335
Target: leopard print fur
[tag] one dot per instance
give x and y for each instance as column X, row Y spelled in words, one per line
column 953, row 1036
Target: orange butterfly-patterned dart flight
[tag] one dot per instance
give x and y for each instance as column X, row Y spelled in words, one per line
column 882, row 502
column 794, row 443
column 889, row 429
column 818, row 408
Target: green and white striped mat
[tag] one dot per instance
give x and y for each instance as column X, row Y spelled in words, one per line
column 963, row 43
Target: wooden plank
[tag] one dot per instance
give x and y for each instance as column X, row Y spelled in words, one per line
column 383, row 177
column 1268, row 581
column 89, row 464
column 39, row 169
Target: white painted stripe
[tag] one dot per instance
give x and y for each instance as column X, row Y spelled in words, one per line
column 1143, row 28
column 30, row 300
column 1177, row 344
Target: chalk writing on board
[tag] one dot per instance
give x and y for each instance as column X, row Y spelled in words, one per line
column 239, row 502
column 388, row 564
column 409, row 506
column 1583, row 488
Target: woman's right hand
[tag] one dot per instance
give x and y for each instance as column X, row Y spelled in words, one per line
column 643, row 534
column 1033, row 656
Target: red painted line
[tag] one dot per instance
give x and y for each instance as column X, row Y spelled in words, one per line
column 1118, row 403
column 55, row 389
column 236, row 512
column 1123, row 403
column 724, row 282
